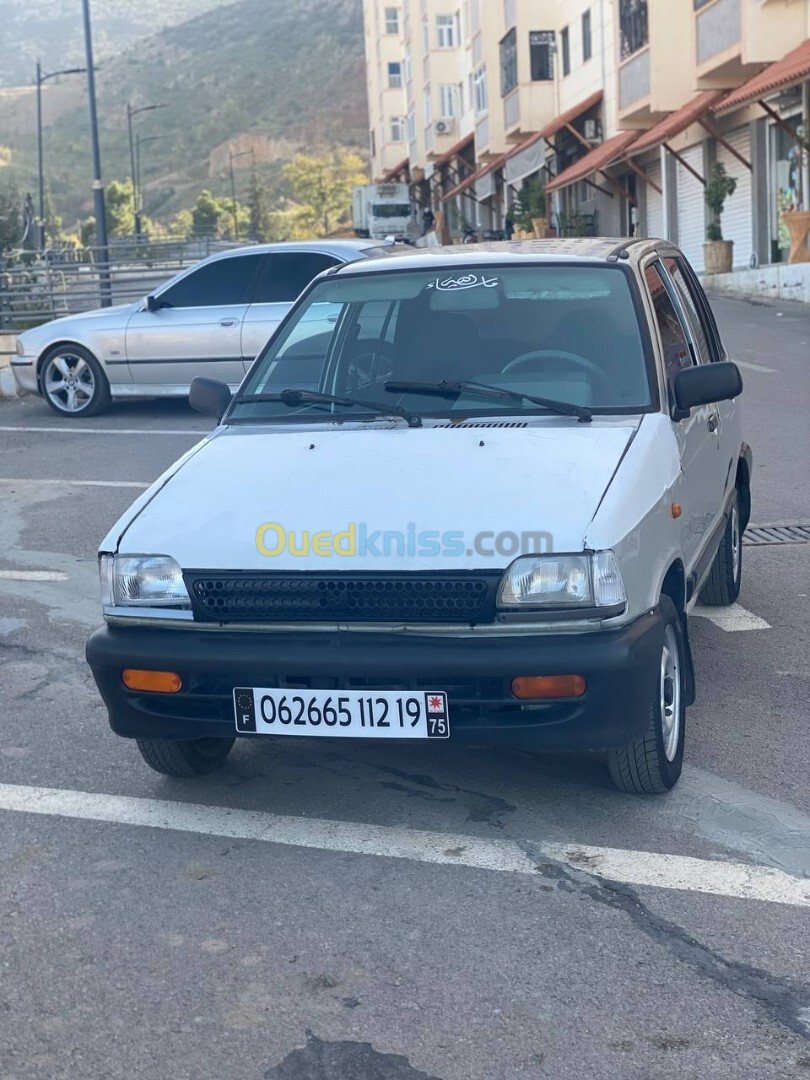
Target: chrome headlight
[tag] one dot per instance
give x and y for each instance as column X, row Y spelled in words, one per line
column 142, row 581
column 589, row 580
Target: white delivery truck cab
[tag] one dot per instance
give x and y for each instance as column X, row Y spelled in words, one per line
column 382, row 210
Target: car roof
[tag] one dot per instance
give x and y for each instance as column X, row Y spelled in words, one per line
column 589, row 249
column 345, row 249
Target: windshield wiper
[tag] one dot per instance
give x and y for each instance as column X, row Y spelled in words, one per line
column 300, row 397
column 447, row 389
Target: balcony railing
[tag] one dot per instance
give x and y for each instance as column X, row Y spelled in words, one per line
column 718, row 28
column 511, row 109
column 634, row 79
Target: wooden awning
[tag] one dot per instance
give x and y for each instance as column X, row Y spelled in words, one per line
column 570, row 115
column 469, row 180
column 678, row 121
column 789, row 71
column 389, row 174
column 599, row 159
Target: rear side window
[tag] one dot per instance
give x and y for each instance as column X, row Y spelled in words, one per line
column 700, row 333
column 217, row 284
column 285, row 275
column 677, row 355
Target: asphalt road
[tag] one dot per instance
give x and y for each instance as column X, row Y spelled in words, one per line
column 196, row 938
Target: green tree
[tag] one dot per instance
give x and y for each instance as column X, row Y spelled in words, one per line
column 118, row 206
column 10, row 216
column 208, row 214
column 322, row 185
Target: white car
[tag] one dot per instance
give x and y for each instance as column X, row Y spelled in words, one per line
column 211, row 319
column 463, row 493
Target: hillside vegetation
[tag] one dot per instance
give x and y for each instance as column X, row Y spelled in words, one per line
column 271, row 76
column 51, row 30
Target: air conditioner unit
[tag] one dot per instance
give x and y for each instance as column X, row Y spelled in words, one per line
column 445, row 127
column 593, row 130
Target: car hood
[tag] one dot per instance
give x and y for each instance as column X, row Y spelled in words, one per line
column 546, row 478
column 100, row 317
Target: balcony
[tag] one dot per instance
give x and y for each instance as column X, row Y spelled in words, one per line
column 511, row 109
column 482, row 136
column 634, row 82
column 718, row 29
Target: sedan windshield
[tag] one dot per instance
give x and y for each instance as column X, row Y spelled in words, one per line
column 415, row 339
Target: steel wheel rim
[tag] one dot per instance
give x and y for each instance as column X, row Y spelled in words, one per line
column 670, row 693
column 69, row 382
column 736, row 542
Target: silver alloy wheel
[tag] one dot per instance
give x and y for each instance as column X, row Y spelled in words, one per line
column 69, row 382
column 670, row 693
column 736, row 543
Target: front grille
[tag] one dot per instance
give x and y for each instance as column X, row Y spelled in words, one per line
column 409, row 598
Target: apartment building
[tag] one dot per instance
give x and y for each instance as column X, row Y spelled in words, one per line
column 623, row 106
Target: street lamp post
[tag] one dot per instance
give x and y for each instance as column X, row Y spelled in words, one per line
column 41, row 78
column 98, row 186
column 139, row 142
column 135, row 175
column 232, row 158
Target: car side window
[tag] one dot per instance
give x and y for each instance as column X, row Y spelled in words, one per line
column 285, row 274
column 674, row 340
column 216, row 284
column 700, row 333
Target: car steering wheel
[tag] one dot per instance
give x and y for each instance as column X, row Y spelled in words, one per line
column 525, row 360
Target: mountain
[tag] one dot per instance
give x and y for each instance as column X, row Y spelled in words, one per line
column 271, row 76
column 51, row 30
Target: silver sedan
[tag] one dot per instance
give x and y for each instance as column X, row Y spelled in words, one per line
column 211, row 319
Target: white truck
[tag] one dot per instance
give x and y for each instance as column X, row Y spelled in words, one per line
column 382, row 210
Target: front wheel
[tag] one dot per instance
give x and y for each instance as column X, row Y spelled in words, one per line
column 73, row 382
column 185, row 757
column 652, row 763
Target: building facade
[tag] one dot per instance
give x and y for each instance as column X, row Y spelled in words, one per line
column 622, row 106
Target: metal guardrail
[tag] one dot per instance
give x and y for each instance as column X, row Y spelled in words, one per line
column 37, row 287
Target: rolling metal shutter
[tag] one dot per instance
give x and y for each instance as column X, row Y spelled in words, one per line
column 691, row 215
column 655, row 203
column 736, row 221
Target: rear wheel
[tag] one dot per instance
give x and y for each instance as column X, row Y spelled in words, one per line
column 652, row 763
column 187, row 757
column 73, row 382
column 722, row 586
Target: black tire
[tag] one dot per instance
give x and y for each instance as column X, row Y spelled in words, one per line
column 651, row 764
column 722, row 586
column 188, row 757
column 86, row 390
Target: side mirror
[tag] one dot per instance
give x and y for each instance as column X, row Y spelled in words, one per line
column 705, row 384
column 209, row 397
column 152, row 303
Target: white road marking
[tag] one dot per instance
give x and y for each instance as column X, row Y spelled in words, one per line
column 32, row 575
column 78, row 483
column 731, row 879
column 108, row 431
column 731, row 618
column 755, row 367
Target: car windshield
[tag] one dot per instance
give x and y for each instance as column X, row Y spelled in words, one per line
column 568, row 334
column 391, row 210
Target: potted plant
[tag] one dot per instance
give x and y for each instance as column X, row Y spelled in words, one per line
column 530, row 208
column 718, row 254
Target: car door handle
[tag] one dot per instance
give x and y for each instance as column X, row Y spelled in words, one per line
column 228, row 322
column 712, row 423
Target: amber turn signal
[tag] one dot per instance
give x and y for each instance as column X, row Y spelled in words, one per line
column 548, row 686
column 158, row 682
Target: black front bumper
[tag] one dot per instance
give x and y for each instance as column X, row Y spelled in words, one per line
column 621, row 668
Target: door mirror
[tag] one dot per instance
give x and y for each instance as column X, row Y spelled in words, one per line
column 705, row 384
column 152, row 303
column 209, row 397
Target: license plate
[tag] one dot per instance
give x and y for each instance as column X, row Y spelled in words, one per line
column 374, row 714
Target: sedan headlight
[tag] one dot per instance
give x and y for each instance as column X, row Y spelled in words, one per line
column 142, row 581
column 589, row 580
